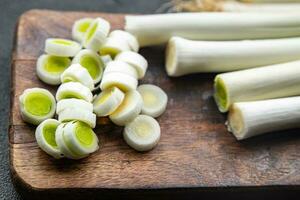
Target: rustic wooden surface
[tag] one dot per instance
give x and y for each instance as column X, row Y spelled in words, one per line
column 195, row 150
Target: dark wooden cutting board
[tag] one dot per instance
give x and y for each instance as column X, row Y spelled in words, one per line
column 195, row 152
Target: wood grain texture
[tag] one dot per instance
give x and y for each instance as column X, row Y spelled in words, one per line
column 195, row 152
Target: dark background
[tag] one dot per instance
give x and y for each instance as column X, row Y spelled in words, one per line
column 10, row 10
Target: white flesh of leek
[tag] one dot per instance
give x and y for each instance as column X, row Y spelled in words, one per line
column 49, row 68
column 275, row 81
column 120, row 80
column 154, row 100
column 143, row 133
column 128, row 37
column 45, row 137
column 108, row 101
column 187, row 56
column 128, row 110
column 81, row 138
column 92, row 62
column 248, row 119
column 121, row 67
column 73, row 103
column 96, row 34
column 65, row 147
column 106, row 59
column 80, row 27
column 61, row 47
column 77, row 73
column 74, row 90
column 79, row 114
column 232, row 6
column 113, row 46
column 36, row 105
column 159, row 28
column 134, row 59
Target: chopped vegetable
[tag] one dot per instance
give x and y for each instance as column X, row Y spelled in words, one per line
column 154, row 100
column 49, row 68
column 61, row 47
column 37, row 105
column 73, row 103
column 80, row 27
column 143, row 133
column 74, row 90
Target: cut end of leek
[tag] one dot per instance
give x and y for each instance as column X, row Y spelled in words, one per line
column 80, row 138
column 135, row 60
column 61, row 47
column 120, row 67
column 37, row 105
column 221, row 95
column 77, row 73
column 80, row 27
column 116, row 79
column 96, row 34
column 108, row 101
column 92, row 62
column 74, row 90
column 49, row 68
column 143, row 133
column 79, row 114
column 113, row 46
column 154, row 100
column 171, row 58
column 45, row 137
column 129, row 109
column 73, row 103
column 235, row 122
column 128, row 37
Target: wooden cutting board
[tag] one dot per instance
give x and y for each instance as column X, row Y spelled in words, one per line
column 195, row 152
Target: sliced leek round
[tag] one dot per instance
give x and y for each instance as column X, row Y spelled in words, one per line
column 154, row 100
column 80, row 27
column 143, row 133
column 116, row 79
column 92, row 62
column 96, row 34
column 113, row 46
column 49, row 68
column 108, row 101
column 106, row 59
column 73, row 103
column 61, row 47
column 74, row 90
column 45, row 137
column 134, row 59
column 79, row 114
column 81, row 138
column 121, row 67
column 65, row 147
column 77, row 73
column 37, row 105
column 129, row 109
column 128, row 37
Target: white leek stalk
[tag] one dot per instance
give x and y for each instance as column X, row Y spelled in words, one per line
column 187, row 56
column 232, row 6
column 79, row 114
column 281, row 80
column 157, row 29
column 248, row 119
